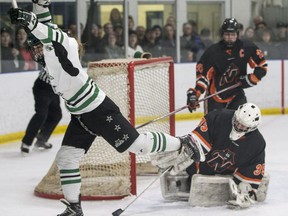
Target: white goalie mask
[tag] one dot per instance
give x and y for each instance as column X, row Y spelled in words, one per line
column 246, row 119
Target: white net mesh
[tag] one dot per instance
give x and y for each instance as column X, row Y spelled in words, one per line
column 107, row 174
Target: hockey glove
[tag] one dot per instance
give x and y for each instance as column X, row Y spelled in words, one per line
column 25, row 18
column 190, row 152
column 246, row 81
column 43, row 3
column 243, row 195
column 192, row 100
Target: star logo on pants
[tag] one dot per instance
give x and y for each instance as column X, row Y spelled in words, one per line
column 109, row 119
column 125, row 137
column 117, row 128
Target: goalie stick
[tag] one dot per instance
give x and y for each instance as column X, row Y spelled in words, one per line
column 186, row 106
column 120, row 211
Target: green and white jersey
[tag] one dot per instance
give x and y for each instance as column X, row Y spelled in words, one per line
column 67, row 77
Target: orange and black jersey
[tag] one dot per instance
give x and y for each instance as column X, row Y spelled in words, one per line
column 219, row 68
column 244, row 158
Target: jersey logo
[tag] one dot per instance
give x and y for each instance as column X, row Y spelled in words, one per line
column 221, row 160
column 203, row 125
column 229, row 52
column 49, row 48
column 229, row 75
column 260, row 169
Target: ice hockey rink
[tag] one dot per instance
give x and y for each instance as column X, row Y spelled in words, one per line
column 19, row 176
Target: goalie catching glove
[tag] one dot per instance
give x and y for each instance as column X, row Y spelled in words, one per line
column 23, row 17
column 189, row 152
column 243, row 195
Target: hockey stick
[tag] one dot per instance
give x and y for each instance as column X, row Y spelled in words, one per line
column 186, row 106
column 120, row 211
column 14, row 4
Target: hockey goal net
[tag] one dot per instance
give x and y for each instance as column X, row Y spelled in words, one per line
column 144, row 90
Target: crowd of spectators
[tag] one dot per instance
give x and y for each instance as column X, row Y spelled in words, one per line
column 272, row 40
column 15, row 55
column 107, row 41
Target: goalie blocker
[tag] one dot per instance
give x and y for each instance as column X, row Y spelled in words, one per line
column 204, row 190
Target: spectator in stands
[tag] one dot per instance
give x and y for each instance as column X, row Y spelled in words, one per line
column 195, row 33
column 281, row 38
column 133, row 44
column 205, row 36
column 188, row 46
column 91, row 38
column 94, row 50
column 140, row 34
column 116, row 17
column 258, row 30
column 150, row 44
column 172, row 21
column 9, row 54
column 249, row 34
column 281, row 32
column 26, row 63
column 100, row 30
column 158, row 30
column 108, row 29
column 119, row 33
column 131, row 23
column 269, row 48
column 93, row 42
column 257, row 19
column 168, row 42
column 241, row 30
column 112, row 51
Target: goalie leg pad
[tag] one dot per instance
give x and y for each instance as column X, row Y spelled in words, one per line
column 175, row 187
column 209, row 190
column 204, row 190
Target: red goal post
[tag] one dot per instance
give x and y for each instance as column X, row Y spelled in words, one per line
column 144, row 90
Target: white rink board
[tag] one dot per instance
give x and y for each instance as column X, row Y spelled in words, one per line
column 17, row 103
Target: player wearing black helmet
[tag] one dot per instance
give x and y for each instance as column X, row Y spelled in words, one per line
column 224, row 64
column 36, row 49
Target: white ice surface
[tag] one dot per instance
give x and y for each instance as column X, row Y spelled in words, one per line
column 20, row 175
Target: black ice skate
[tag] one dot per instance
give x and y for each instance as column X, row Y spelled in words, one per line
column 40, row 145
column 192, row 147
column 25, row 149
column 73, row 209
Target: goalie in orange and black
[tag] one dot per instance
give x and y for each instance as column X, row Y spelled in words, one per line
column 222, row 65
column 232, row 145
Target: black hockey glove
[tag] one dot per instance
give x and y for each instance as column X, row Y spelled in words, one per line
column 192, row 100
column 43, row 3
column 245, row 81
column 23, row 17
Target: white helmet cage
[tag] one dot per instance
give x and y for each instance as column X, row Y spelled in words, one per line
column 246, row 119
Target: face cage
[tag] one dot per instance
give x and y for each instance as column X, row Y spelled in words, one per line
column 239, row 127
column 37, row 54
